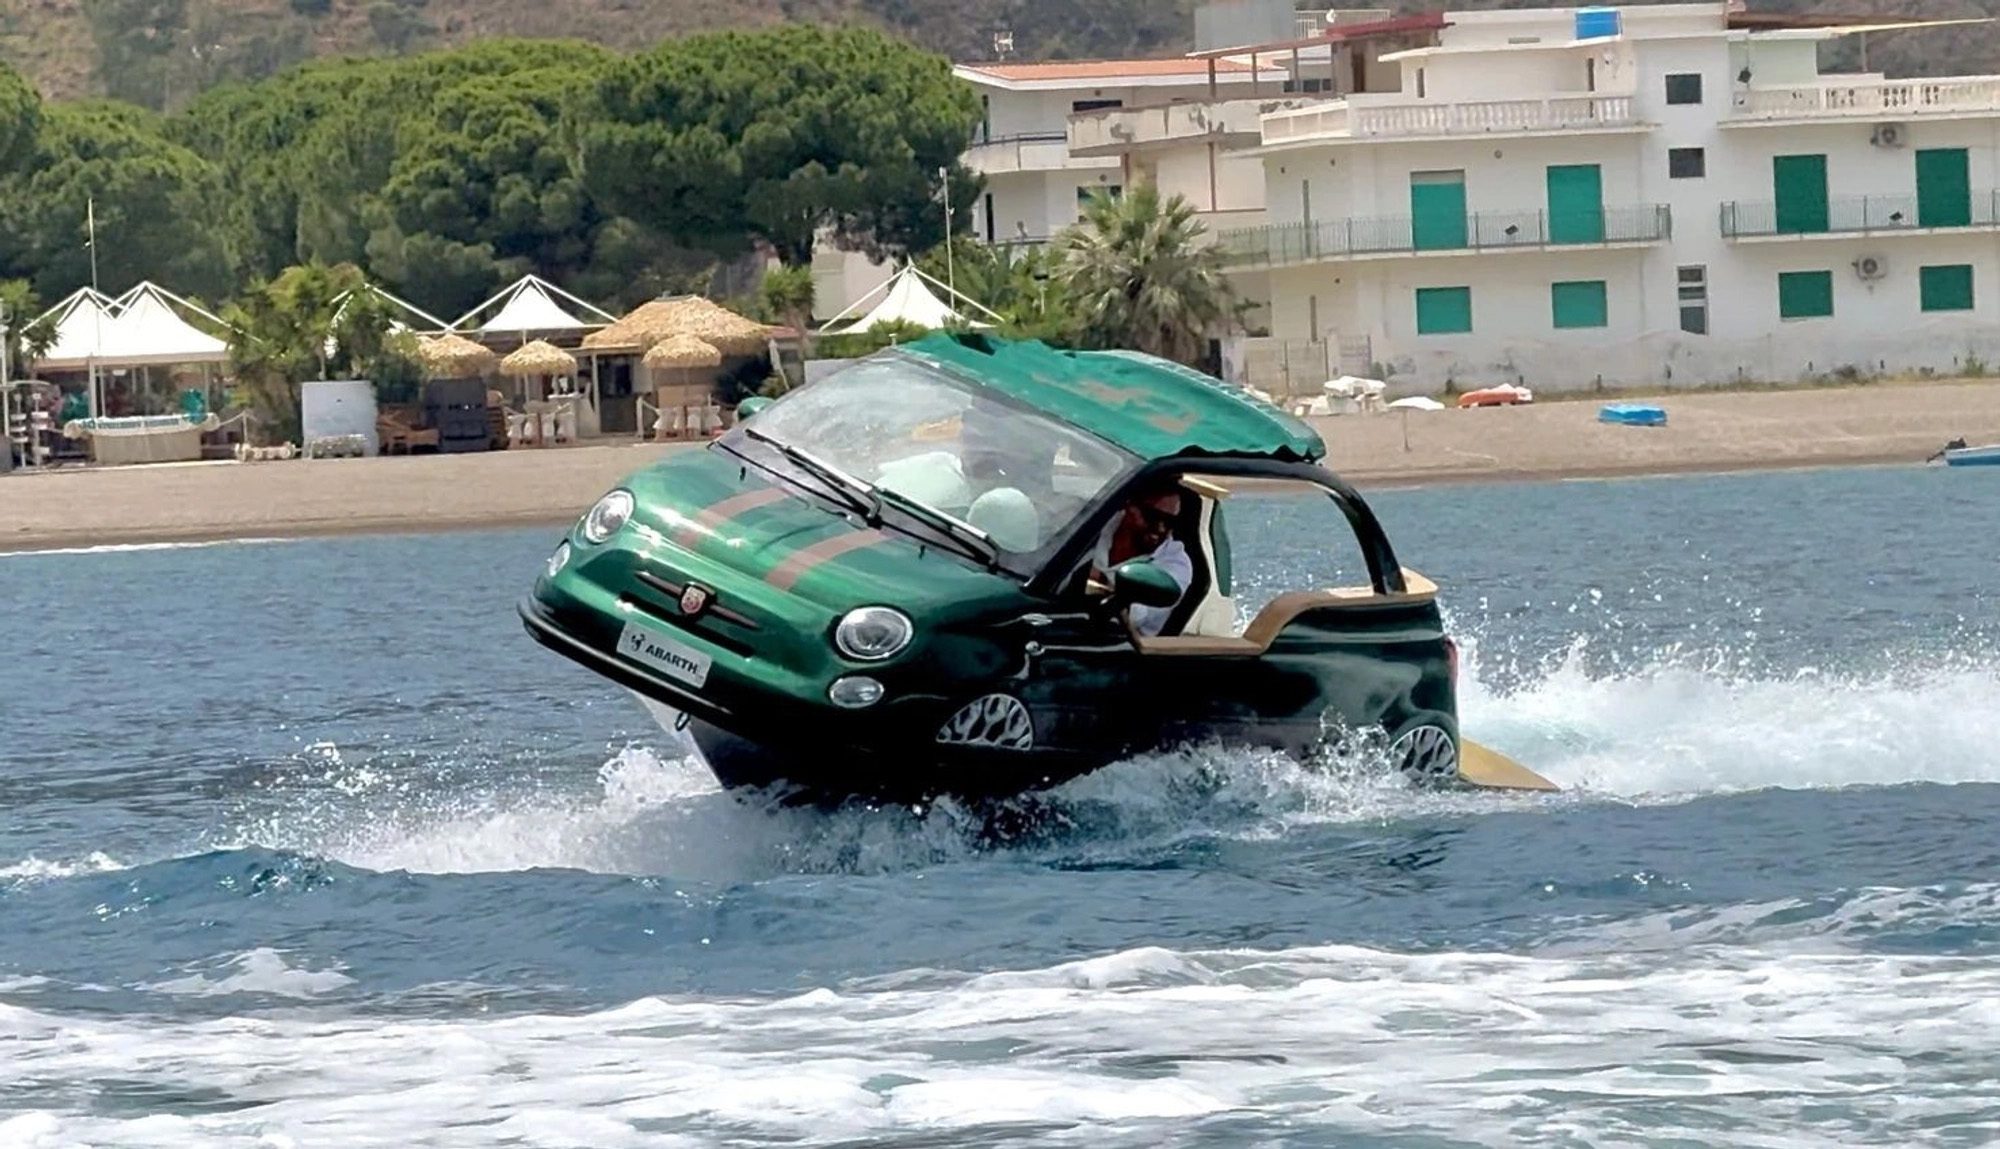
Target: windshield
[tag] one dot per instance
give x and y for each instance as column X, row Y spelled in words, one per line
column 1020, row 477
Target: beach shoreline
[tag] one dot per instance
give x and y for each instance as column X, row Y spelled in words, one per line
column 1707, row 433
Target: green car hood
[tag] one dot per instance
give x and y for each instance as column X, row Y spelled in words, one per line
column 741, row 526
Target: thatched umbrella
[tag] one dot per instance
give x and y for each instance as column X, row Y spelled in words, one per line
column 538, row 358
column 692, row 315
column 453, row 356
column 683, row 353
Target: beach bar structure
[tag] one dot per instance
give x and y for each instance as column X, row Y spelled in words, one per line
column 525, row 322
column 676, row 384
column 118, row 345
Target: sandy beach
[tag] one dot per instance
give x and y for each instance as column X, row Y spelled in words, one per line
column 190, row 502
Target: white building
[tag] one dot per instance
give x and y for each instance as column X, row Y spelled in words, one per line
column 1035, row 185
column 1670, row 193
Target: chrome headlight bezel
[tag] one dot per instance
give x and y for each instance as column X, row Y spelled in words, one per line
column 606, row 517
column 851, row 639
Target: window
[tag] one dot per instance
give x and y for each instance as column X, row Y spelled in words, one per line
column 1094, row 105
column 1694, row 299
column 1805, row 294
column 1579, row 303
column 1687, row 163
column 1684, row 87
column 1946, row 287
column 1083, row 193
column 1444, row 310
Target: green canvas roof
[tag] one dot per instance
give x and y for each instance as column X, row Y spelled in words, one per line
column 1153, row 407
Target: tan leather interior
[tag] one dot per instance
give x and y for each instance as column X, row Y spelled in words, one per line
column 1204, row 487
column 1281, row 611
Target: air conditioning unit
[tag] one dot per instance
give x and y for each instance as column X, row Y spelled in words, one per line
column 1888, row 136
column 1871, row 267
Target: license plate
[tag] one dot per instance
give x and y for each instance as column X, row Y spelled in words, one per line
column 674, row 659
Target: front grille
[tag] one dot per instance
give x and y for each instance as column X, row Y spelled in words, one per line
column 672, row 616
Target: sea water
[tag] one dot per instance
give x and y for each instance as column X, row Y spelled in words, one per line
column 308, row 844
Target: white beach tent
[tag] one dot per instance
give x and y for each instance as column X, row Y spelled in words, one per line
column 148, row 332
column 431, row 323
column 80, row 321
column 138, row 329
column 529, row 305
column 906, row 299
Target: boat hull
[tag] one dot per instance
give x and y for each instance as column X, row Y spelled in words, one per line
column 1988, row 456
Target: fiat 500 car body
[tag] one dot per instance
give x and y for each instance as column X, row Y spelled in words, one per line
column 885, row 583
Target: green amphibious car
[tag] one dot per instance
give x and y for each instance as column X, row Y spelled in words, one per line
column 890, row 583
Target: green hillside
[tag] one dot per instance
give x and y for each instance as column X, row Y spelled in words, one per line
column 161, row 53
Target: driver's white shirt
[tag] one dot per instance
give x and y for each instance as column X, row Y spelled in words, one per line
column 1172, row 557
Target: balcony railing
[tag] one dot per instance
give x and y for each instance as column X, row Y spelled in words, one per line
column 1118, row 129
column 1295, row 243
column 1871, row 96
column 1028, row 152
column 1380, row 116
column 1859, row 215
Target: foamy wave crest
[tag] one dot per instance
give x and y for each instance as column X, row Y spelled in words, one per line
column 1349, row 1041
column 260, row 971
column 35, row 869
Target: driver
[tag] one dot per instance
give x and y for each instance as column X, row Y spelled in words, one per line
column 1144, row 529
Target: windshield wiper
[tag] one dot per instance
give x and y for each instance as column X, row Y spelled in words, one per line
column 862, row 497
column 958, row 530
column 866, row 499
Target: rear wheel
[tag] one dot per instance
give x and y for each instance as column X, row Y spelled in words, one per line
column 1426, row 752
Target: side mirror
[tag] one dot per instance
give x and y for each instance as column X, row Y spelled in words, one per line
column 751, row 406
column 1140, row 582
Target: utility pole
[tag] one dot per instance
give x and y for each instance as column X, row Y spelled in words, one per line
column 6, row 399
column 950, row 279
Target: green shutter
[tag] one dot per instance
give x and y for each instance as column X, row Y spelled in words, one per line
column 1444, row 310
column 1580, row 303
column 1805, row 294
column 1944, row 188
column 1437, row 210
column 1799, row 185
column 1946, row 288
column 1576, row 203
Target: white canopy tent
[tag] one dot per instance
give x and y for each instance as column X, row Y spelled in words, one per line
column 140, row 328
column 529, row 305
column 906, row 299
column 80, row 320
column 431, row 323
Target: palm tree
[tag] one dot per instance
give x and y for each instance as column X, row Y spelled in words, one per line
column 787, row 294
column 1141, row 276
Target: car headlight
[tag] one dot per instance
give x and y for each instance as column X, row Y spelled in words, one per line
column 559, row 559
column 872, row 633
column 608, row 516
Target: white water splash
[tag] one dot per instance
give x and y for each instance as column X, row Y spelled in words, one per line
column 1680, row 732
column 1664, row 734
column 260, row 971
column 1705, row 1044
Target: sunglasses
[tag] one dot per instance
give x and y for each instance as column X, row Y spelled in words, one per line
column 1156, row 518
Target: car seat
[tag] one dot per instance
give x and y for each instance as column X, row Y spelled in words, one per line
column 1208, row 607
column 1008, row 517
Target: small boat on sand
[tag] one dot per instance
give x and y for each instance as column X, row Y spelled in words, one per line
column 1957, row 454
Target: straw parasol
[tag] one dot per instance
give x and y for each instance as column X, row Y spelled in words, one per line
column 454, row 356
column 539, row 358
column 684, row 352
column 691, row 315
